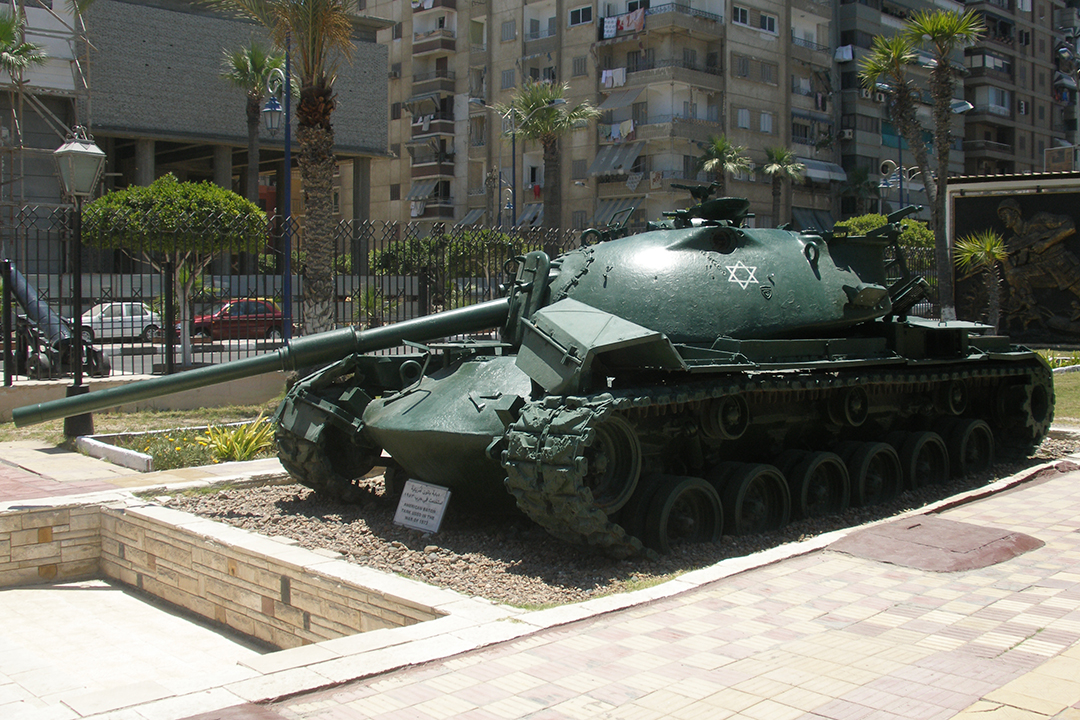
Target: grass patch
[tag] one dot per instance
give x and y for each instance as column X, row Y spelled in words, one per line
column 1067, row 396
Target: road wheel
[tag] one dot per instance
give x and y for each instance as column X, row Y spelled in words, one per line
column 684, row 509
column 151, row 333
column 971, row 446
column 924, row 459
column 754, row 497
column 614, row 464
column 819, row 485
column 874, row 469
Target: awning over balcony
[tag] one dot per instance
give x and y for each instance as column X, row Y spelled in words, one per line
column 421, row 189
column 607, row 209
column 823, row 171
column 621, row 99
column 615, row 159
column 808, row 218
column 423, row 103
column 531, row 214
column 472, row 217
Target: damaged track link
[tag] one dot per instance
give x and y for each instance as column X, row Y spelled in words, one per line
column 547, row 447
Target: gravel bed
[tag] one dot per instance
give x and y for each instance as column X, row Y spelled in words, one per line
column 503, row 556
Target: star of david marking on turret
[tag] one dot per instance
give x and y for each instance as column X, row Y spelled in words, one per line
column 737, row 272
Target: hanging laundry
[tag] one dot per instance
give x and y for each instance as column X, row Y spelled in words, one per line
column 632, row 21
column 626, row 129
column 416, row 208
column 606, row 78
column 611, row 26
column 656, row 179
column 618, row 77
column 634, row 180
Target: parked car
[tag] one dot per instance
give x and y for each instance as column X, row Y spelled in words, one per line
column 116, row 320
column 241, row 318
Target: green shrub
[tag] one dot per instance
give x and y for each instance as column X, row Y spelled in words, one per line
column 241, row 442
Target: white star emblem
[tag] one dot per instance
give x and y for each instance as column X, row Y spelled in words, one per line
column 736, row 274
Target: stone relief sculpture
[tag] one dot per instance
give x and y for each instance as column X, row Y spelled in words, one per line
column 1038, row 259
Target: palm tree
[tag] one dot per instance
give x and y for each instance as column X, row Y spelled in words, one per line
column 248, row 68
column 721, row 157
column 781, row 165
column 319, row 31
column 985, row 251
column 16, row 54
column 942, row 32
column 539, row 111
column 859, row 186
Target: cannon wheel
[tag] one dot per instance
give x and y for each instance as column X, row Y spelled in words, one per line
column 311, row 465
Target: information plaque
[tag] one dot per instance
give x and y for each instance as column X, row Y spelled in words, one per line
column 422, row 506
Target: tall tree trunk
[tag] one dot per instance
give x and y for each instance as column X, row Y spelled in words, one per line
column 253, row 113
column 776, row 201
column 316, row 160
column 552, row 185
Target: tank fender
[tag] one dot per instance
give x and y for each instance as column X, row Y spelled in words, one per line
column 316, row 400
column 561, row 343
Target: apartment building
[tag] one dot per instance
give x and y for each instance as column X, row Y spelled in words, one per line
column 666, row 77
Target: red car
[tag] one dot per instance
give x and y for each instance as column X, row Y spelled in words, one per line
column 242, row 318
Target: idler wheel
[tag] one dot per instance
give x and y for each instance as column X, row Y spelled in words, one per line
column 924, row 458
column 819, row 484
column 971, row 445
column 1026, row 411
column 850, row 406
column 683, row 510
column 875, row 472
column 614, row 464
column 754, row 497
column 725, row 418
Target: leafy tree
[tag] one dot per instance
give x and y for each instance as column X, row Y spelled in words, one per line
column 248, row 68
column 319, row 31
column 721, row 157
column 984, row 252
column 16, row 54
column 942, row 32
column 539, row 112
column 446, row 265
column 781, row 165
column 184, row 223
column 913, row 233
column 859, row 186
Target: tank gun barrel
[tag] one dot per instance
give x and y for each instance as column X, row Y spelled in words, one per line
column 301, row 352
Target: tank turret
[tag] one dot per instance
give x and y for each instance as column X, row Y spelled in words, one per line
column 699, row 378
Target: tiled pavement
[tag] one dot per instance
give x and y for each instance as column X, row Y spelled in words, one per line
column 820, row 635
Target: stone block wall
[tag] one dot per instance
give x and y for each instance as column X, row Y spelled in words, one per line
column 267, row 588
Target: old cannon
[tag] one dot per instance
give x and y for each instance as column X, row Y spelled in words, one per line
column 698, row 378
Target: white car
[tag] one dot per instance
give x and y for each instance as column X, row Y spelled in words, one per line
column 114, row 320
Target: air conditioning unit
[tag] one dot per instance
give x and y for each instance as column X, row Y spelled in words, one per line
column 847, row 134
column 879, row 97
column 1021, row 107
column 867, row 94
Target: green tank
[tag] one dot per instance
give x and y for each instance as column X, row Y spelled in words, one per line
column 697, row 379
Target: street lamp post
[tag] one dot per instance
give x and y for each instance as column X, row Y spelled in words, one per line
column 79, row 162
column 280, row 83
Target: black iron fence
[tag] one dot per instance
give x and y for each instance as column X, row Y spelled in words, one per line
column 180, row 294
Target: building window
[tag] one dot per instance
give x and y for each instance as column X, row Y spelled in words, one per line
column 395, row 149
column 395, row 192
column 397, row 31
column 740, row 15
column 581, row 15
column 742, row 118
column 740, row 65
column 578, row 168
column 765, row 122
column 581, row 66
column 768, row 23
column 507, row 79
column 768, row 73
column 549, row 74
column 800, row 133
column 395, row 111
column 509, row 30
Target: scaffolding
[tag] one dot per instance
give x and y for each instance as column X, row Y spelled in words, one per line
column 34, row 123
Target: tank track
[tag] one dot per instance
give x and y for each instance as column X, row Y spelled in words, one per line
column 545, row 457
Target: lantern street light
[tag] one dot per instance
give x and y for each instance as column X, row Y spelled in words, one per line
column 79, row 162
column 280, row 83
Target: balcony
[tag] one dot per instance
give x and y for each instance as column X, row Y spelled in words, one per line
column 432, row 167
column 424, row 126
column 707, row 77
column 419, row 6
column 676, row 16
column 441, row 41
column 440, row 81
column 1001, row 151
